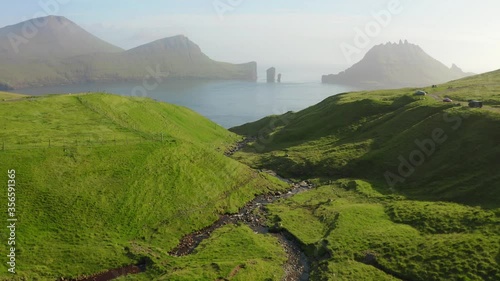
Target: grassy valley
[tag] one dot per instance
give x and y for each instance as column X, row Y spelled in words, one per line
column 106, row 176
column 365, row 135
column 408, row 185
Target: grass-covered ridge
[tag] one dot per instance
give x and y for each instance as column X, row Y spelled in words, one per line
column 104, row 180
column 409, row 187
column 370, row 135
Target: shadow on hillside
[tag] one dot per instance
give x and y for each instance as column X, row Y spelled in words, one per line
column 326, row 119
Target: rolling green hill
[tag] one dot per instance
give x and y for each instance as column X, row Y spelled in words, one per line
column 104, row 181
column 369, row 135
column 438, row 218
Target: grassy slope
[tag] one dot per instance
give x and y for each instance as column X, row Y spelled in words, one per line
column 232, row 252
column 110, row 189
column 377, row 237
column 371, row 233
column 363, row 134
column 9, row 96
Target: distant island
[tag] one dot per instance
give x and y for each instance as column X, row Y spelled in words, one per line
column 59, row 51
column 396, row 65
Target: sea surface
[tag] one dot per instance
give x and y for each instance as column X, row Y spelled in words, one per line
column 228, row 103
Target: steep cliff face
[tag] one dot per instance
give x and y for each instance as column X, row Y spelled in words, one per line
column 180, row 45
column 181, row 57
column 54, row 50
column 271, row 75
column 394, row 66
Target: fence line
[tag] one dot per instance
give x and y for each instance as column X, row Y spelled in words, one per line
column 21, row 144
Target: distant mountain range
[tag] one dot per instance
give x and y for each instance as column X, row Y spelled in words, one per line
column 396, row 65
column 54, row 50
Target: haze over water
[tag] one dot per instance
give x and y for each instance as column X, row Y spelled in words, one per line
column 228, row 103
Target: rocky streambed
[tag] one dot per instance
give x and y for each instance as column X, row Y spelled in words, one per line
column 254, row 214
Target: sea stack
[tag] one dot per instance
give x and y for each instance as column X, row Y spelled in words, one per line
column 271, row 75
column 279, row 78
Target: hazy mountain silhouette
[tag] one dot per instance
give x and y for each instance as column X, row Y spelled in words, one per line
column 54, row 50
column 395, row 66
column 51, row 36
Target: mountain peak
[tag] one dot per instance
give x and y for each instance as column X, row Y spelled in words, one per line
column 177, row 39
column 177, row 44
column 455, row 67
column 178, row 36
column 58, row 51
column 40, row 22
column 396, row 65
column 50, row 36
column 52, row 18
column 400, row 43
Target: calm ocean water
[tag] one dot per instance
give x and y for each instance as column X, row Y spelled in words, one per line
column 228, row 103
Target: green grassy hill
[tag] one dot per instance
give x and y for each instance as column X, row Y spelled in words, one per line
column 103, row 181
column 369, row 134
column 436, row 220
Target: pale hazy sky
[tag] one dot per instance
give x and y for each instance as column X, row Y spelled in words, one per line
column 288, row 32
